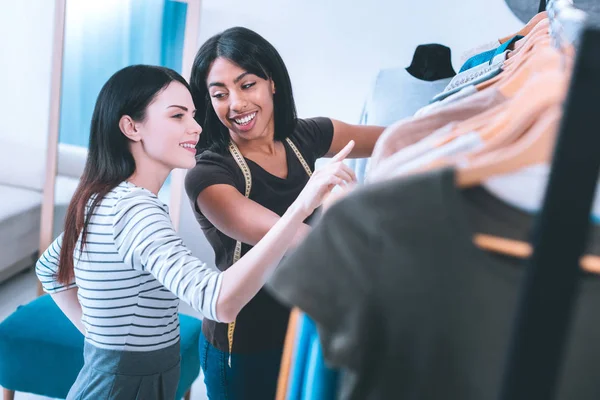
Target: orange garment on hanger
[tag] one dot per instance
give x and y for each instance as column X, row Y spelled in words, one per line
column 513, row 86
column 288, row 355
column 538, row 37
column 516, row 62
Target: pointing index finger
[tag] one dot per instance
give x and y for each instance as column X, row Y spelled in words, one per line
column 344, row 152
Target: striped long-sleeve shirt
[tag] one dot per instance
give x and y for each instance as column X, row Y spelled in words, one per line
column 132, row 272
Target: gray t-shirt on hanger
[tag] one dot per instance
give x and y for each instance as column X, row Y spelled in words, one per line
column 410, row 308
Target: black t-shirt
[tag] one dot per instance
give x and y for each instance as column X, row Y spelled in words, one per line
column 262, row 323
column 410, row 308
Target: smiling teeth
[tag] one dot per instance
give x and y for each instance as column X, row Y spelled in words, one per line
column 187, row 145
column 245, row 120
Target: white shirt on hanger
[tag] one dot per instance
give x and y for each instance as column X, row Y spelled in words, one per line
column 424, row 153
column 407, row 154
column 461, row 144
column 525, row 189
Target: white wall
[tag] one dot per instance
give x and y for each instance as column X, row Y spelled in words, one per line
column 26, row 29
column 333, row 49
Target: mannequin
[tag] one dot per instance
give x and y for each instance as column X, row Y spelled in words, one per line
column 431, row 62
column 399, row 92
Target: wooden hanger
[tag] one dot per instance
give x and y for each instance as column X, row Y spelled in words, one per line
column 518, row 249
column 534, row 147
column 527, row 28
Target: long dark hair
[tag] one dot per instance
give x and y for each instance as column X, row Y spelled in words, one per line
column 253, row 53
column 109, row 162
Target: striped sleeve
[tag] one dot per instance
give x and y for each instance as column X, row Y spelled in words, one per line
column 46, row 269
column 146, row 240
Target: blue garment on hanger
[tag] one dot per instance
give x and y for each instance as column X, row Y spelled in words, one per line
column 304, row 332
column 310, row 377
column 321, row 382
column 487, row 56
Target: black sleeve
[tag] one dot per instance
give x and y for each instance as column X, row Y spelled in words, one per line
column 210, row 169
column 328, row 277
column 314, row 136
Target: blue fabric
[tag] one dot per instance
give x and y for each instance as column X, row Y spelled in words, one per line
column 305, row 331
column 173, row 24
column 251, row 376
column 98, row 44
column 487, row 56
column 477, row 59
column 321, row 382
column 41, row 351
column 310, row 377
column 190, row 329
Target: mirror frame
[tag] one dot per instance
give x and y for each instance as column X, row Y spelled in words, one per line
column 190, row 45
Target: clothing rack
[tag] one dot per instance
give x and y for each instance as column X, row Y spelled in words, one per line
column 550, row 288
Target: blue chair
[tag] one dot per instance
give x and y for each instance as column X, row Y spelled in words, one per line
column 41, row 351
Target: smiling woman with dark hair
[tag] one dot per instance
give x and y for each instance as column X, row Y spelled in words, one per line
column 119, row 269
column 255, row 156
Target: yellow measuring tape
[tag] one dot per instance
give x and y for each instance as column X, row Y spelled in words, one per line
column 237, row 253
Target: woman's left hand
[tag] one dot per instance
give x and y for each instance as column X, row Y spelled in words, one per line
column 337, row 195
column 324, row 180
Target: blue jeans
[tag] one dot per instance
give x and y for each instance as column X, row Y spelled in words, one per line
column 251, row 376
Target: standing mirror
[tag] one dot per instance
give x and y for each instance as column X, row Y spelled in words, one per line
column 93, row 40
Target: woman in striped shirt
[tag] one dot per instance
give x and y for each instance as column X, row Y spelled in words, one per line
column 119, row 269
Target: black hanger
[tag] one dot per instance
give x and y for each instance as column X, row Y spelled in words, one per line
column 431, row 62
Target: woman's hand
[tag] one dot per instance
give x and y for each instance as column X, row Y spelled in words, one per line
column 324, row 180
column 336, row 196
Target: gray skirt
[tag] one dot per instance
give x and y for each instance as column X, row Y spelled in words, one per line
column 127, row 375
